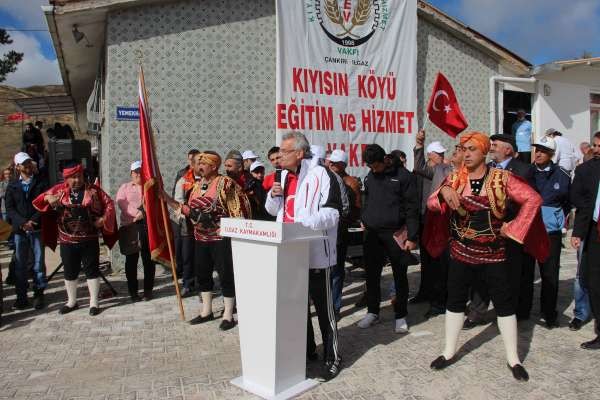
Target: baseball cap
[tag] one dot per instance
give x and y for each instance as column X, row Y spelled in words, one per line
column 317, row 151
column 248, row 154
column 545, row 143
column 338, row 155
column 550, row 132
column 256, row 164
column 435, row 147
column 135, row 165
column 21, row 157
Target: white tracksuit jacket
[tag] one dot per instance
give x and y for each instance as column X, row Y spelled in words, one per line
column 316, row 206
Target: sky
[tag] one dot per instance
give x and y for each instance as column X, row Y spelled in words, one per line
column 538, row 30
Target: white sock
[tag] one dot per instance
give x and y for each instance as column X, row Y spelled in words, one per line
column 94, row 288
column 71, row 287
column 206, row 304
column 229, row 304
column 454, row 323
column 508, row 330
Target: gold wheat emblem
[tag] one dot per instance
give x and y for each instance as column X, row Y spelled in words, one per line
column 360, row 16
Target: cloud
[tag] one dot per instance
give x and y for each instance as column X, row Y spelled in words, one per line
column 35, row 69
column 28, row 13
column 539, row 30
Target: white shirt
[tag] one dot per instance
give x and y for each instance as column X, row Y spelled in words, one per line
column 566, row 155
column 597, row 206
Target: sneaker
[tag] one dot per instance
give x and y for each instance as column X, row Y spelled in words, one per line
column 575, row 324
column 330, row 370
column 401, row 326
column 368, row 320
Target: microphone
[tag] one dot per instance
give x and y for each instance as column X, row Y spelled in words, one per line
column 278, row 177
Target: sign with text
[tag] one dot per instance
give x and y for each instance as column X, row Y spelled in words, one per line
column 347, row 74
column 128, row 114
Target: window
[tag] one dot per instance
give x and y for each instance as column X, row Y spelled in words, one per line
column 594, row 113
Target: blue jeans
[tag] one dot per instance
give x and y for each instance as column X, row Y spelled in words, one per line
column 24, row 244
column 582, row 302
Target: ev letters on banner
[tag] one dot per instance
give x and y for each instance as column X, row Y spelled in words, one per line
column 347, row 74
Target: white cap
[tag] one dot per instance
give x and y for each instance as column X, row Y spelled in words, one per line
column 256, row 164
column 435, row 147
column 338, row 156
column 317, row 151
column 248, row 154
column 545, row 143
column 136, row 165
column 21, row 157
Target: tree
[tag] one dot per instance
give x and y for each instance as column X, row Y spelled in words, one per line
column 8, row 63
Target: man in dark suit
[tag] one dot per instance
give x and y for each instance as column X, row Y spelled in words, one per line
column 502, row 154
column 585, row 196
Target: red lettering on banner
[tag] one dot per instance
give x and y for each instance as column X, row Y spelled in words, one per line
column 352, row 156
column 304, row 116
column 385, row 121
column 372, row 86
column 319, row 82
column 347, row 9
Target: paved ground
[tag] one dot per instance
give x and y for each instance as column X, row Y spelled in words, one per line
column 143, row 351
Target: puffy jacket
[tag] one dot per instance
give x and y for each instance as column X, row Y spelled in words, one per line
column 316, row 206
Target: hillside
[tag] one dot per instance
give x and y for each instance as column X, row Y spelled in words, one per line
column 10, row 132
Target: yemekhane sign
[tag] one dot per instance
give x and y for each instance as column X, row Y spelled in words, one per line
column 347, row 74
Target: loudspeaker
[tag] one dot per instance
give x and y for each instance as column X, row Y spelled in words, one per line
column 61, row 151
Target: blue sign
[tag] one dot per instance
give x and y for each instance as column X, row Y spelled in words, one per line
column 128, row 114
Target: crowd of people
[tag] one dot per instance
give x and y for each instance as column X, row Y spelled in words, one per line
column 482, row 216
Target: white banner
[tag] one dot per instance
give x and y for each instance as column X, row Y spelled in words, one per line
column 347, row 74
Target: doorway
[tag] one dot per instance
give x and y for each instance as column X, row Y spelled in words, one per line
column 512, row 102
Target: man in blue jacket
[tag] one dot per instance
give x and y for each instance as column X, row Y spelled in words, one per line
column 26, row 225
column 554, row 184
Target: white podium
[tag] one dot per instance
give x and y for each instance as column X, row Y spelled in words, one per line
column 270, row 263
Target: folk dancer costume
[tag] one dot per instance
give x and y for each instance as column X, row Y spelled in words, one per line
column 72, row 223
column 206, row 203
column 476, row 246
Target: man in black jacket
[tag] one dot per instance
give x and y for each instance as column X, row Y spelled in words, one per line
column 391, row 218
column 585, row 196
column 502, row 154
column 26, row 226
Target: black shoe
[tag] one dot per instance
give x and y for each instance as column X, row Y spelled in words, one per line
column 330, row 370
column 38, row 301
column 441, row 363
column 469, row 324
column 200, row 319
column 552, row 323
column 592, row 344
column 135, row 298
column 575, row 324
column 66, row 309
column 227, row 325
column 362, row 302
column 434, row 312
column 148, row 296
column 417, row 299
column 94, row 311
column 312, row 357
column 519, row 372
column 21, row 305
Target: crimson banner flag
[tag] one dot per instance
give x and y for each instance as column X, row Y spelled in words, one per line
column 159, row 232
column 444, row 110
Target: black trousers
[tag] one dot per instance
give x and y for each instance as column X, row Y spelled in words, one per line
column 549, row 272
column 176, row 229
column 78, row 256
column 187, row 258
column 319, row 291
column 518, row 263
column 495, row 277
column 131, row 262
column 211, row 256
column 590, row 263
column 428, row 270
column 377, row 245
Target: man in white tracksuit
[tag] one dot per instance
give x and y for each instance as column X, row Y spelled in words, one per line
column 305, row 194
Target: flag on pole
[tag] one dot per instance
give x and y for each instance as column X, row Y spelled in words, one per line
column 159, row 233
column 444, row 110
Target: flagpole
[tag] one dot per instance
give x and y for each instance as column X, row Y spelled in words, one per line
column 159, row 187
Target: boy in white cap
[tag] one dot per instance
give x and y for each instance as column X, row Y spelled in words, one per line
column 248, row 157
column 133, row 235
column 26, row 226
column 257, row 169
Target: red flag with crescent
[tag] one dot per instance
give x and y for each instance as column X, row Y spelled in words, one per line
column 159, row 232
column 444, row 110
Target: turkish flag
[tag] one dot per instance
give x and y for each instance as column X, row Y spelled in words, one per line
column 18, row 116
column 160, row 237
column 444, row 110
